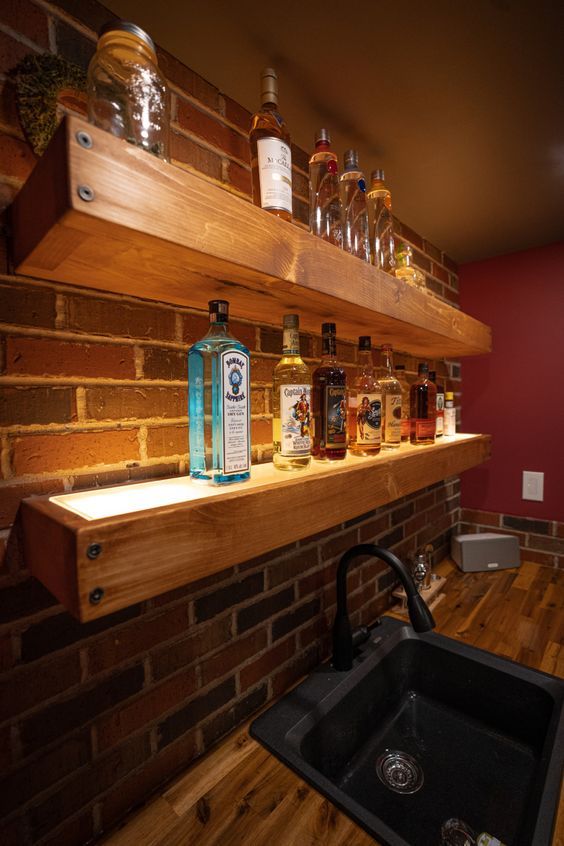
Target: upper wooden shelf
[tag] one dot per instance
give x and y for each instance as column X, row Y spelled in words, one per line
column 137, row 541
column 153, row 230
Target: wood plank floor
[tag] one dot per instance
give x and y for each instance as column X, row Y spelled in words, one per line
column 240, row 794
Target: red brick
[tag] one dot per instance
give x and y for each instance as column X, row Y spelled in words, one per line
column 300, row 185
column 237, row 114
column 14, row 832
column 47, row 453
column 5, row 748
column 261, row 432
column 559, row 530
column 167, row 440
column 440, row 273
column 434, row 286
column 483, row 518
column 132, row 403
column 240, row 178
column 75, row 832
column 26, row 18
column 450, row 263
column 16, row 158
column 339, row 544
column 8, row 108
column 370, row 530
column 186, row 151
column 27, row 406
column 27, row 305
column 212, row 130
column 136, row 637
column 545, row 558
column 27, row 686
column 300, row 158
column 11, row 52
column 245, row 333
column 320, row 578
column 290, row 674
column 258, row 401
column 412, row 236
column 12, row 495
column 165, row 364
column 267, row 663
column 554, row 545
column 432, row 251
column 288, row 568
column 43, row 357
column 452, row 296
column 233, row 655
column 194, row 327
column 187, row 80
column 181, row 653
column 262, row 369
column 120, row 318
column 149, row 706
column 6, row 655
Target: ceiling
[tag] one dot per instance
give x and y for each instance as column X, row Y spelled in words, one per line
column 461, row 101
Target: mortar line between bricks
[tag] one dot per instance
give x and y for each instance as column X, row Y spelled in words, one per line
column 55, row 12
column 22, row 39
column 217, row 116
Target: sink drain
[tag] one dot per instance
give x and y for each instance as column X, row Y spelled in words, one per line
column 399, row 771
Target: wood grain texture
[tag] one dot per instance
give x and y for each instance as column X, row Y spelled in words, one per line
column 255, row 799
column 156, row 231
column 150, row 552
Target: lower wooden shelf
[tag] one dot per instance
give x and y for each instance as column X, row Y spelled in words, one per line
column 102, row 550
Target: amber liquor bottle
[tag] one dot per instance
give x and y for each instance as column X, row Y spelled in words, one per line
column 423, row 408
column 329, row 401
column 271, row 156
column 365, row 404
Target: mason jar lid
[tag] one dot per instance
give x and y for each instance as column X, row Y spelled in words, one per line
column 127, row 26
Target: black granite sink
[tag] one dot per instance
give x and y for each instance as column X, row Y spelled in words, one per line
column 479, row 738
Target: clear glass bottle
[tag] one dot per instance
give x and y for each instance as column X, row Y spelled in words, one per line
column 450, row 415
column 219, row 386
column 365, row 404
column 291, row 403
column 405, row 269
column 127, row 94
column 354, row 213
column 381, row 223
column 404, row 384
column 440, row 422
column 324, row 200
column 271, row 154
column 423, row 411
column 391, row 402
column 329, row 401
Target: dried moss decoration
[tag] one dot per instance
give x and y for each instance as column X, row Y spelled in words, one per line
column 43, row 83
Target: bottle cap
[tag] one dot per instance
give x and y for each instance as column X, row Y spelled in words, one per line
column 377, row 174
column 291, row 321
column 365, row 342
column 219, row 311
column 127, row 26
column 322, row 135
column 423, row 368
column 449, row 395
column 351, row 160
column 328, row 329
column 269, row 86
column 433, row 375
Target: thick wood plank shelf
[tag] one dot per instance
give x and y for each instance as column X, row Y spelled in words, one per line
column 153, row 230
column 137, row 541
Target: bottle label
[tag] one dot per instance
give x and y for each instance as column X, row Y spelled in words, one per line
column 335, row 415
column 291, row 341
column 440, row 413
column 450, row 422
column 235, row 391
column 369, row 419
column 392, row 416
column 295, row 405
column 404, row 428
column 275, row 174
column 424, row 429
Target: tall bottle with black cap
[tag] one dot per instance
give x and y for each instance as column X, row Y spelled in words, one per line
column 381, row 222
column 127, row 93
column 219, row 389
column 271, row 155
column 324, row 201
column 329, row 401
column 354, row 214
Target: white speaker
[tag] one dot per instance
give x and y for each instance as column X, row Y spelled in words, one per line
column 485, row 551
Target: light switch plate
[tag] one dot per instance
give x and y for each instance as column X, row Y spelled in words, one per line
column 533, row 486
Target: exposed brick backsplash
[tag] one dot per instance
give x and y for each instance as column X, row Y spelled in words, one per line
column 93, row 717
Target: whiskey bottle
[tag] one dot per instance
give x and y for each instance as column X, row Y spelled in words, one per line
column 391, row 402
column 440, row 404
column 219, row 403
column 324, row 201
column 329, row 401
column 365, row 404
column 423, row 412
column 271, row 155
column 291, row 403
column 354, row 214
column 404, row 384
column 381, row 223
column 450, row 415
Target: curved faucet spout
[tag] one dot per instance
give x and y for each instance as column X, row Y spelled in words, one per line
column 419, row 615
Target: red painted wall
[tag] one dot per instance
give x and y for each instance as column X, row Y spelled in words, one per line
column 517, row 392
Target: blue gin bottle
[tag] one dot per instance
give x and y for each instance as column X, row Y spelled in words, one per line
column 219, row 390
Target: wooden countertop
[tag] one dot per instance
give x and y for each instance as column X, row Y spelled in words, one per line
column 239, row 793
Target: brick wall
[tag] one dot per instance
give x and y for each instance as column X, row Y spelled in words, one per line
column 92, row 392
column 541, row 541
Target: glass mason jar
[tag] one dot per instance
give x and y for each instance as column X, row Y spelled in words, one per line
column 127, row 94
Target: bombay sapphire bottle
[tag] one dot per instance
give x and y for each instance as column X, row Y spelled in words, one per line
column 219, row 395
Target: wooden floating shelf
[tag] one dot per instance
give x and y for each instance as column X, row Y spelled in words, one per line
column 137, row 541
column 153, row 230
